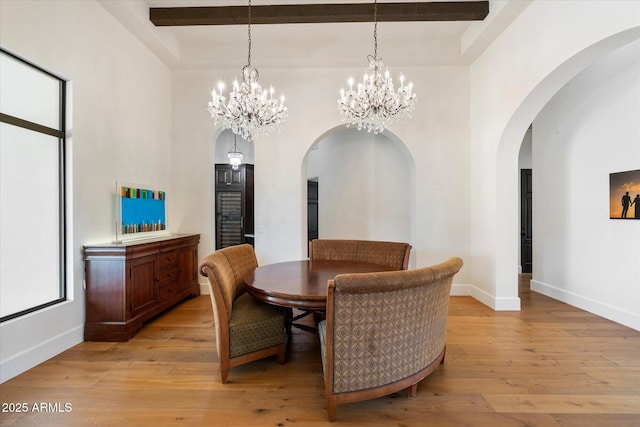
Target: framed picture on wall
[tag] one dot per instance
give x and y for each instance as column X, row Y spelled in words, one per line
column 141, row 211
column 624, row 195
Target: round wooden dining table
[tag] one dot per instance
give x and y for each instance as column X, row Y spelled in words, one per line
column 301, row 284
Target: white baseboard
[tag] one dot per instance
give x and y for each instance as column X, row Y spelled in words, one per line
column 204, row 288
column 25, row 360
column 497, row 304
column 615, row 314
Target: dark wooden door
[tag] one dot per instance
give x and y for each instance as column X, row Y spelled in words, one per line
column 234, row 205
column 526, row 231
column 312, row 210
column 229, row 229
column 229, row 177
column 248, row 214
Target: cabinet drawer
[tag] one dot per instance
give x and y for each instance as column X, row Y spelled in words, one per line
column 165, row 291
column 168, row 260
column 168, row 276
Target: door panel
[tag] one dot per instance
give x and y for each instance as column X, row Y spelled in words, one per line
column 234, row 217
column 312, row 210
column 229, row 227
column 228, row 177
column 526, row 223
column 143, row 284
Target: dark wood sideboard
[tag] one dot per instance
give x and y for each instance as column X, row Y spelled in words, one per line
column 128, row 283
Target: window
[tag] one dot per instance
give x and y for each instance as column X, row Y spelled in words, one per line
column 32, row 188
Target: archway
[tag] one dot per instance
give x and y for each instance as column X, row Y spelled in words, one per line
column 230, row 208
column 366, row 185
column 507, row 191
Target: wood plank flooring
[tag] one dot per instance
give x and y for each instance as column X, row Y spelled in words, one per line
column 549, row 365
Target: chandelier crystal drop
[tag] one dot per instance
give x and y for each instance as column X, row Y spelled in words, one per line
column 374, row 103
column 251, row 110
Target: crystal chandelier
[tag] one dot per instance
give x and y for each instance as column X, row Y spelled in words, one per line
column 374, row 104
column 235, row 156
column 251, row 110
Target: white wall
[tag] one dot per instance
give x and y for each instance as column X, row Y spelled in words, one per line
column 466, row 179
column 364, row 186
column 120, row 129
column 525, row 156
column 436, row 139
column 588, row 130
column 545, row 47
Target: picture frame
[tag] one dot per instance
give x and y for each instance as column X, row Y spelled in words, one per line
column 624, row 195
column 141, row 211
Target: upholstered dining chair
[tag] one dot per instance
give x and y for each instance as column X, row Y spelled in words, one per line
column 384, row 332
column 391, row 254
column 246, row 330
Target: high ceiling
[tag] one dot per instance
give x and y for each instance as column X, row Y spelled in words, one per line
column 314, row 45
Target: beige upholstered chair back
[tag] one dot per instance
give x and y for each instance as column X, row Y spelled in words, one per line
column 227, row 267
column 385, row 331
column 246, row 329
column 392, row 254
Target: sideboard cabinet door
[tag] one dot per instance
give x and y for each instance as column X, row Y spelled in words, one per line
column 187, row 268
column 143, row 289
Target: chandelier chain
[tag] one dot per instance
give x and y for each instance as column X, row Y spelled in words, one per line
column 375, row 29
column 249, row 31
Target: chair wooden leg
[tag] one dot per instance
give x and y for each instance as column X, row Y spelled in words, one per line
column 413, row 391
column 225, row 365
column 332, row 403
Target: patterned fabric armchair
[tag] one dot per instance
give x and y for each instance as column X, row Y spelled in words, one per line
column 391, row 254
column 246, row 330
column 384, row 332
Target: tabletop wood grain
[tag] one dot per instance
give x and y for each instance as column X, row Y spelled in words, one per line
column 301, row 284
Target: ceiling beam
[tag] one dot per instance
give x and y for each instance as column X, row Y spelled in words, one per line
column 320, row 13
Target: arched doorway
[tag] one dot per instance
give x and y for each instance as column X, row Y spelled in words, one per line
column 232, row 194
column 366, row 185
column 507, row 165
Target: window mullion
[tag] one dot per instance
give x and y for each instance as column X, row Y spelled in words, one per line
column 6, row 118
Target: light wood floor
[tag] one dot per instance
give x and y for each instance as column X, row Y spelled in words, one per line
column 548, row 365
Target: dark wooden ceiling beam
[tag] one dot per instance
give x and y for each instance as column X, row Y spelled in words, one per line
column 320, row 13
